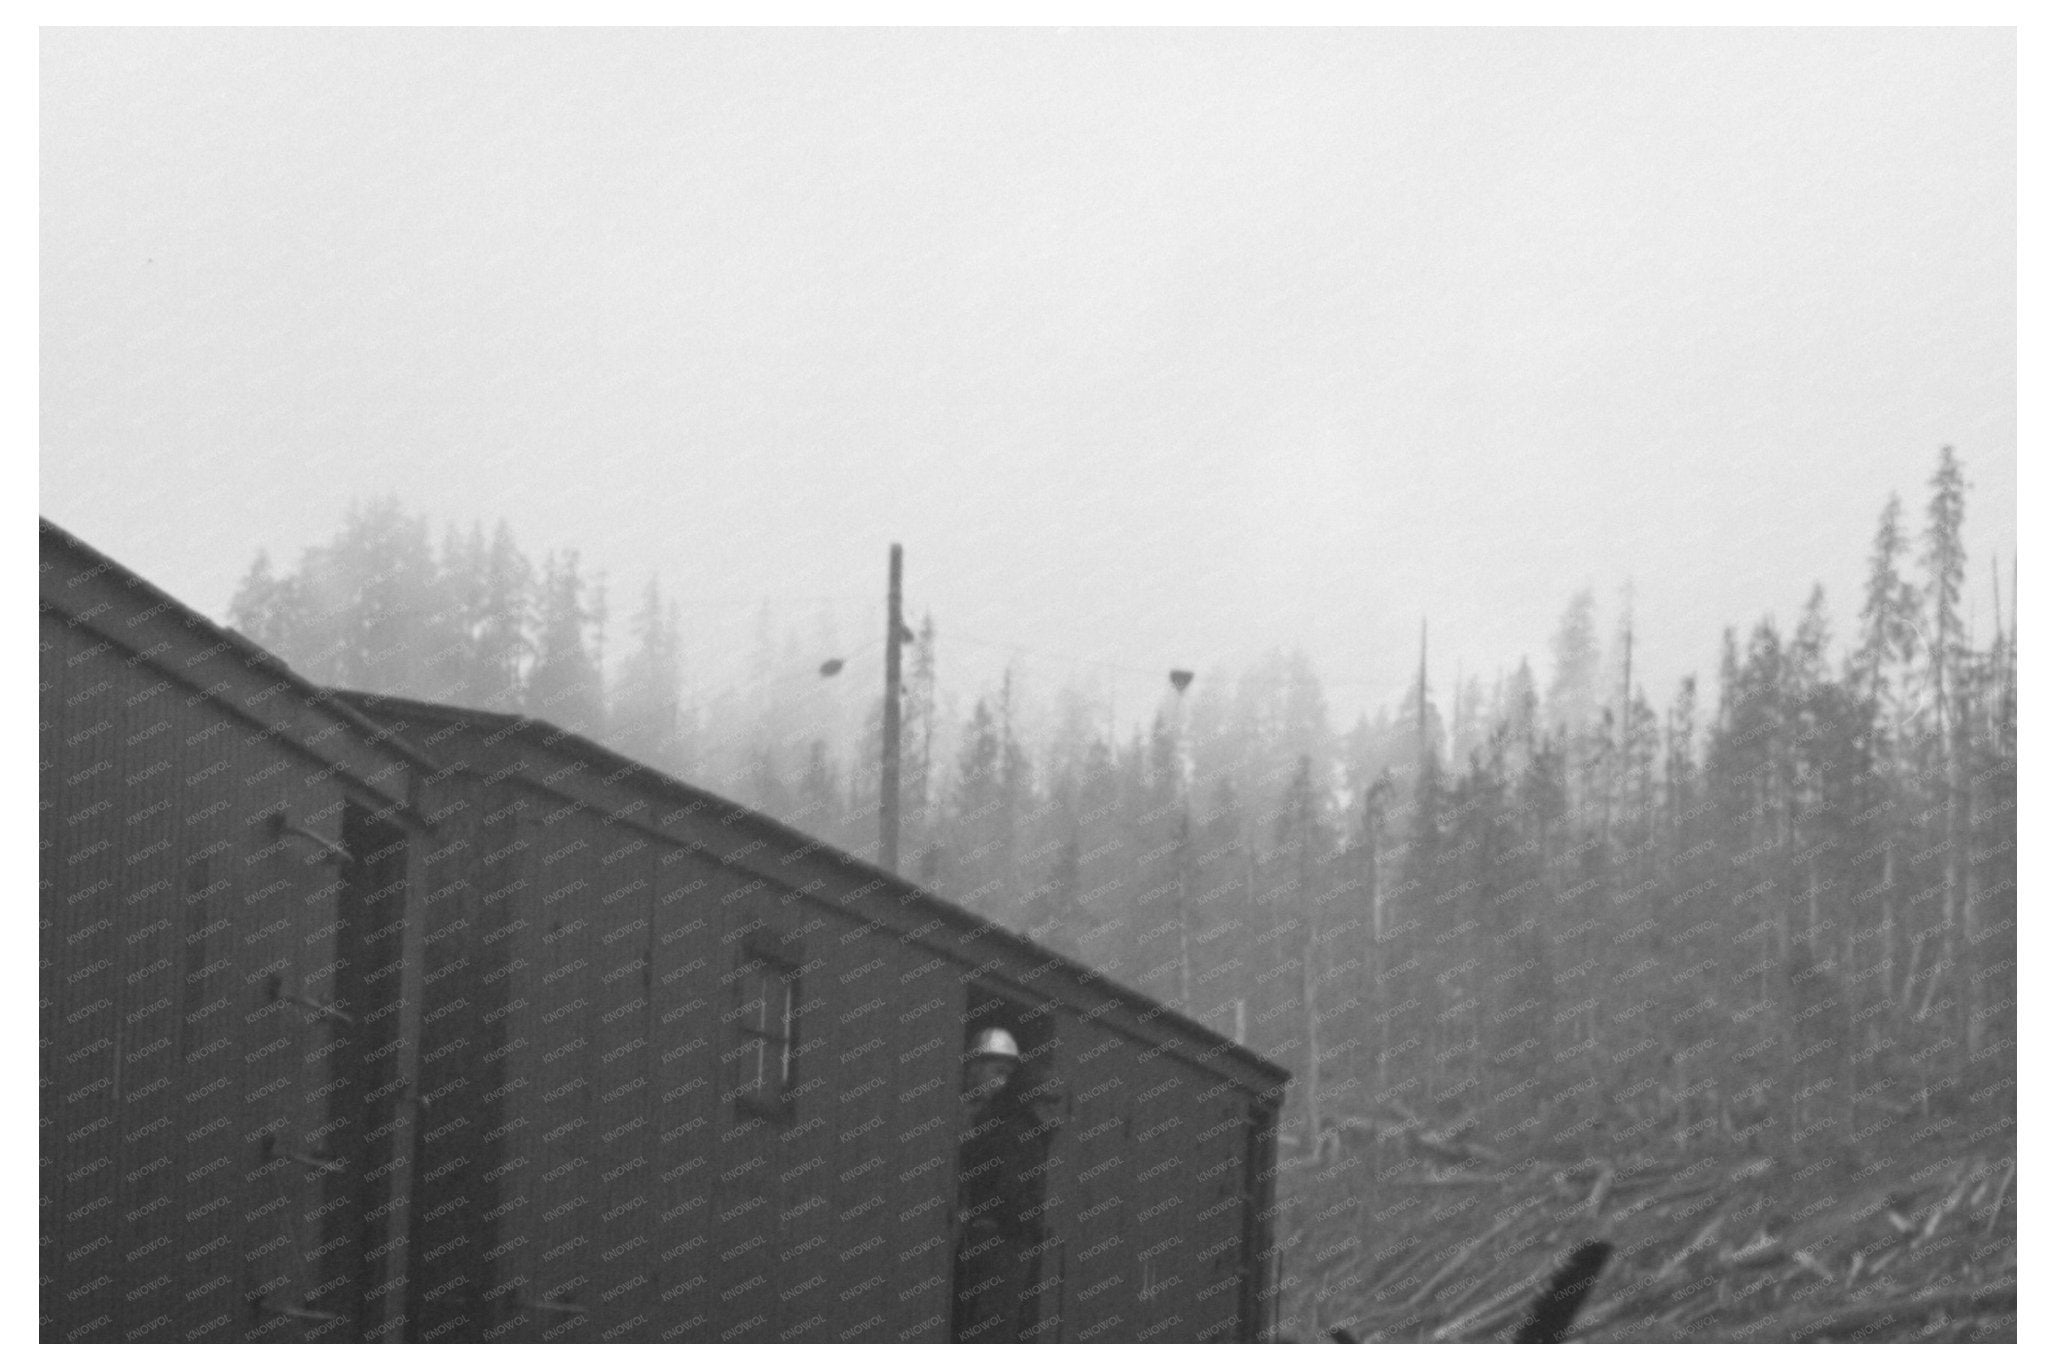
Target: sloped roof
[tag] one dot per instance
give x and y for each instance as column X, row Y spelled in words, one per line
column 68, row 596
column 729, row 813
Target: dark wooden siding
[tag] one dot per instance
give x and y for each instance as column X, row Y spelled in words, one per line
column 479, row 1082
column 623, row 1178
column 183, row 1080
column 636, row 1198
column 451, row 1223
column 637, row 1201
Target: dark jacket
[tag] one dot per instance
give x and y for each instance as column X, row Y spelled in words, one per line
column 1003, row 1159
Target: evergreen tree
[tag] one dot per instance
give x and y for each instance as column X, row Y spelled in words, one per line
column 820, row 798
column 1466, row 719
column 462, row 567
column 1944, row 560
column 500, row 624
column 921, row 859
column 918, row 729
column 263, row 610
column 398, row 631
column 648, row 711
column 1573, row 700
column 1680, row 762
column 1103, row 856
column 370, row 611
column 565, row 686
column 1888, row 626
column 991, row 802
column 1221, row 893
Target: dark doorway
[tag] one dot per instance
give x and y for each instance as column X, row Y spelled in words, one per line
column 369, row 1092
column 1009, row 1267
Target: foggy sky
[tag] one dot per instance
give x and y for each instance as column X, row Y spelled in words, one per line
column 1153, row 347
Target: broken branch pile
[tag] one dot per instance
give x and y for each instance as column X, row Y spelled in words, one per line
column 1915, row 1245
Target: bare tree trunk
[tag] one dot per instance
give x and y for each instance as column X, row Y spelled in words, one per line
column 1946, row 709
column 1374, row 962
column 1812, row 902
column 1309, row 989
column 1972, row 1025
column 1888, row 930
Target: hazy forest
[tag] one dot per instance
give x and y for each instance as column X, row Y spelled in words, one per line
column 1561, row 945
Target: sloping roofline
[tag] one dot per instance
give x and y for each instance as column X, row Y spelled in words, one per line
column 248, row 651
column 733, row 814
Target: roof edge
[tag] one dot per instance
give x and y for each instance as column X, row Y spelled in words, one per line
column 550, row 733
column 253, row 653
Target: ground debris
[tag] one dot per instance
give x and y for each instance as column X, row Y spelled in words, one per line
column 1908, row 1243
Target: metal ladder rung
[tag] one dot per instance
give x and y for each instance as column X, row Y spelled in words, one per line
column 553, row 1306
column 326, row 1165
column 316, row 1006
column 294, row 1310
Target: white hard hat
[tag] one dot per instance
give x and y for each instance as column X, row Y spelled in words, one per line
column 994, row 1042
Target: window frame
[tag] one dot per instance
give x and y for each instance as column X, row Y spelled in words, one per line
column 766, row 1051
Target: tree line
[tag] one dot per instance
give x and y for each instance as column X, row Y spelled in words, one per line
column 1772, row 912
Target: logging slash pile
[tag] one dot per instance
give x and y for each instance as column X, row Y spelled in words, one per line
column 1913, row 1240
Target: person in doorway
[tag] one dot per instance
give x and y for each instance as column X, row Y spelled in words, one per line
column 1010, row 1112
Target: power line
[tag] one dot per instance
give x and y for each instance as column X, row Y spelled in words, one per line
column 944, row 634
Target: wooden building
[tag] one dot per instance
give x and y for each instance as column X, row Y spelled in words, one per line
column 224, row 861
column 474, row 1030
column 669, row 1026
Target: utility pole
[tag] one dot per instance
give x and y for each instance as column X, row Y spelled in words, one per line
column 889, row 763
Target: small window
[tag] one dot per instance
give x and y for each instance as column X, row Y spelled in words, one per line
column 768, row 991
